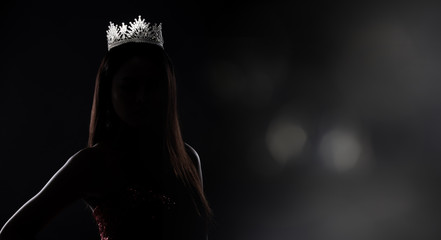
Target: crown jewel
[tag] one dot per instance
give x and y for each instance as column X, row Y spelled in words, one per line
column 137, row 31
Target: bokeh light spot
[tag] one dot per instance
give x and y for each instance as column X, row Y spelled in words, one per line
column 285, row 140
column 340, row 149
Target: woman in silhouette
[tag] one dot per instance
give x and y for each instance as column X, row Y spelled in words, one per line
column 138, row 176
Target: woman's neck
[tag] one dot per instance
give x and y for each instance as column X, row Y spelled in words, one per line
column 133, row 140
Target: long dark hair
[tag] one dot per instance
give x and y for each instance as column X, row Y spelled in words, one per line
column 103, row 114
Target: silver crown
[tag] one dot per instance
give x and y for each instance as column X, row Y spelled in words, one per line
column 137, row 31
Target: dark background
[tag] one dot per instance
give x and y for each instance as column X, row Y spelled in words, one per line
column 313, row 120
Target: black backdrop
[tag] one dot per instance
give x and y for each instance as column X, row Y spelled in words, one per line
column 313, row 120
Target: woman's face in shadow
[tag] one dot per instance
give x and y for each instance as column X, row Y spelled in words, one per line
column 136, row 93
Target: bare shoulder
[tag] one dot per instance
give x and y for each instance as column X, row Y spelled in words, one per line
column 96, row 167
column 194, row 156
column 70, row 179
column 83, row 155
column 81, row 172
column 83, row 160
column 89, row 157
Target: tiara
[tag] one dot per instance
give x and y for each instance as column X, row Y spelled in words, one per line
column 137, row 31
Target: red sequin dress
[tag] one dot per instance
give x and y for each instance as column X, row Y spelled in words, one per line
column 162, row 209
column 138, row 212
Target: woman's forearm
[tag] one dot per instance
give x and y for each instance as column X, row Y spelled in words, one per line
column 66, row 186
column 10, row 231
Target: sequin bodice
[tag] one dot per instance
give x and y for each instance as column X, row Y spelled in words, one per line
column 133, row 209
column 155, row 208
column 136, row 212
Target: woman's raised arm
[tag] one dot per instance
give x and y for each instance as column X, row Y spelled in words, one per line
column 71, row 182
